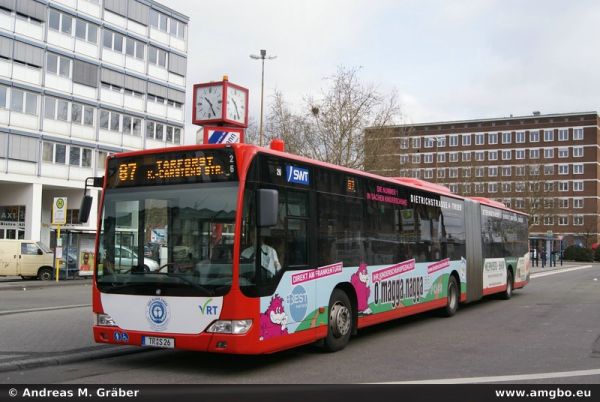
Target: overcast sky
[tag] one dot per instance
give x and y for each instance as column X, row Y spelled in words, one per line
column 448, row 60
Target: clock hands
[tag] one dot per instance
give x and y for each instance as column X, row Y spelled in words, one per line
column 211, row 106
column 237, row 112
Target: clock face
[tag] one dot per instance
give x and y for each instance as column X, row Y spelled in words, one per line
column 236, row 105
column 209, row 102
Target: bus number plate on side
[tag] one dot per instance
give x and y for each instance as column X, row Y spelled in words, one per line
column 168, row 343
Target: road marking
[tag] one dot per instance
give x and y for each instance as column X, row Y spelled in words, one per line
column 32, row 310
column 559, row 271
column 503, row 378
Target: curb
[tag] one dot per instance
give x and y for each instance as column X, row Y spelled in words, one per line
column 24, row 285
column 103, row 353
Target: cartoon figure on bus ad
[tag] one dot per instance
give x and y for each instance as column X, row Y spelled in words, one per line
column 360, row 281
column 273, row 321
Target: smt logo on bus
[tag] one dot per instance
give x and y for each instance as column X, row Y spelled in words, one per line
column 297, row 175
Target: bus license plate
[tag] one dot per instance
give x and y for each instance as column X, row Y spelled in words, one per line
column 156, row 342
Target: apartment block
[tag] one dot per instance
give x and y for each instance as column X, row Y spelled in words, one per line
column 546, row 165
column 81, row 79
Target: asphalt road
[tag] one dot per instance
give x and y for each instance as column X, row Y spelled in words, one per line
column 553, row 325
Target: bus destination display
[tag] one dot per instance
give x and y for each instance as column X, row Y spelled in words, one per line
column 172, row 168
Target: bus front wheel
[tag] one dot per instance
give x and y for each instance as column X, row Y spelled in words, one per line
column 340, row 321
column 507, row 294
column 452, row 295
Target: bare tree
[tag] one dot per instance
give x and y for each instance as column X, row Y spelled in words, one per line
column 282, row 123
column 341, row 114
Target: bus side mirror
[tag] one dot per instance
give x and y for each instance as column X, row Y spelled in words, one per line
column 86, row 202
column 84, row 209
column 268, row 205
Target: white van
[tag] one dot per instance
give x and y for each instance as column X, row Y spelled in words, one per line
column 26, row 258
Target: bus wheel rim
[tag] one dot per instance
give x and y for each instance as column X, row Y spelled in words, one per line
column 340, row 320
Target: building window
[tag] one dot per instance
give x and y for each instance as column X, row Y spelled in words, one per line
column 563, row 134
column 506, row 154
column 113, row 41
column 520, row 170
column 453, row 173
column 563, row 220
column 577, row 202
column 534, row 170
column 82, row 114
column 492, row 155
column 577, row 186
column 56, row 109
column 492, row 171
column 109, row 120
column 132, row 125
column 479, row 139
column 441, row 157
column 492, row 138
column 441, row 141
column 135, row 48
column 428, row 174
column 86, row 31
column 466, row 156
column 534, row 136
column 577, row 152
column 479, row 155
column 60, row 22
column 403, row 159
column 578, row 220
column 428, row 142
column 563, row 152
column 548, row 135
column 548, row 220
column 479, row 171
column 453, row 140
column 548, row 186
column 479, row 189
column 534, row 153
column 506, row 187
column 563, row 169
column 563, row 186
column 454, row 188
column 577, row 134
column 453, row 156
column 404, row 143
column 157, row 56
column 492, row 187
column 548, row 153
column 563, row 203
column 520, row 154
column 441, row 173
column 416, row 143
column 466, row 139
column 548, row 170
column 506, row 171
column 156, row 131
column 578, row 168
column 58, row 65
column 23, row 102
column 54, row 153
column 466, row 188
column 169, row 25
column 520, row 137
column 506, row 137
column 416, row 158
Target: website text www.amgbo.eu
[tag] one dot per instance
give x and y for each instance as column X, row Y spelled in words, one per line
column 550, row 394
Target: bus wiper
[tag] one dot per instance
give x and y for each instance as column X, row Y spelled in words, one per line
column 184, row 279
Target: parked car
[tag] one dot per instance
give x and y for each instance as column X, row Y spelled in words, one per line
column 26, row 258
column 127, row 258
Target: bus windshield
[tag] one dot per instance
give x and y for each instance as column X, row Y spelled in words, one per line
column 168, row 240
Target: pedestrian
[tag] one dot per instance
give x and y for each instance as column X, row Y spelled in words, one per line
column 553, row 258
column 535, row 257
column 543, row 258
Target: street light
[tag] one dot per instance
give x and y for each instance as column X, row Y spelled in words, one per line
column 263, row 56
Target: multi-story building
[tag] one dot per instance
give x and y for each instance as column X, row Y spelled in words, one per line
column 80, row 79
column 545, row 165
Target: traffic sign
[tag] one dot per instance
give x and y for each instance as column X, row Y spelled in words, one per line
column 59, row 211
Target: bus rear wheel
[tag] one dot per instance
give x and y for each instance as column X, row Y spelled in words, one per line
column 452, row 297
column 341, row 321
column 507, row 294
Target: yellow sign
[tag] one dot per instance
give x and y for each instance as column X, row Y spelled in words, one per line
column 59, row 211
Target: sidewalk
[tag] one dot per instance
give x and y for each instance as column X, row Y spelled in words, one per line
column 15, row 282
column 566, row 264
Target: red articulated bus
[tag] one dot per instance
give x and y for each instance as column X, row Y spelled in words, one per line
column 242, row 249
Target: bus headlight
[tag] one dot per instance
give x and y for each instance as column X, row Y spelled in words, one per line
column 105, row 320
column 236, row 327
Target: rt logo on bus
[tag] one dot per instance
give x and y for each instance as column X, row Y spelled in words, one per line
column 157, row 313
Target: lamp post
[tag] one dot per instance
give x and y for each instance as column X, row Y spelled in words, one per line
column 263, row 56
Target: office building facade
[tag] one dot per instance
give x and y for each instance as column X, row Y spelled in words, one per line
column 81, row 79
column 544, row 165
